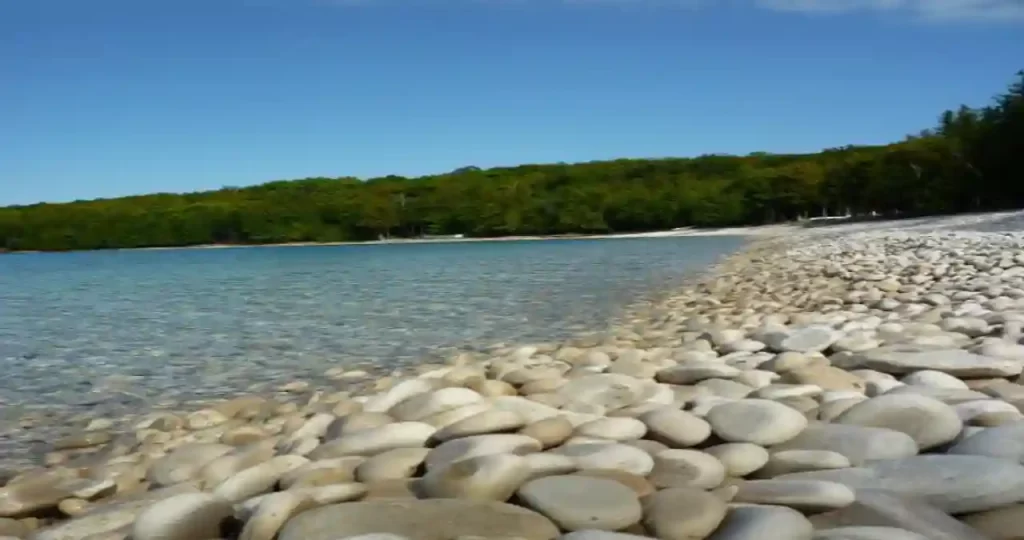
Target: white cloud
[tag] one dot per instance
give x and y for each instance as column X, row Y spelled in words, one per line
column 987, row 10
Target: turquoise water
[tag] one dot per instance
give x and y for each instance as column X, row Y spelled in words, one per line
column 109, row 332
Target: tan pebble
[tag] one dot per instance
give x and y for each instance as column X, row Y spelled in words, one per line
column 334, row 373
column 272, row 513
column 493, row 477
column 683, row 513
column 356, row 421
column 286, row 408
column 390, row 489
column 160, row 422
column 188, row 516
column 446, row 418
column 323, row 472
column 32, row 523
column 83, row 440
column 542, row 386
column 464, row 376
column 301, row 447
column 637, row 483
column 258, row 479
column 346, row 407
column 550, row 432
column 215, row 472
column 391, row 465
column 205, row 418
column 727, row 491
column 152, row 436
column 73, row 507
column 551, row 399
column 332, row 494
column 293, row 422
column 806, row 405
column 826, row 377
column 243, row 435
column 13, row 528
column 241, row 407
column 489, row 388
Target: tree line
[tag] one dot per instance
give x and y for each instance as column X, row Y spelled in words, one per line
column 973, row 160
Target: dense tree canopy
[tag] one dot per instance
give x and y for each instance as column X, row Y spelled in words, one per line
column 973, row 160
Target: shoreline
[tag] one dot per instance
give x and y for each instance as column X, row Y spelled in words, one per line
column 893, row 349
column 755, row 231
column 767, row 230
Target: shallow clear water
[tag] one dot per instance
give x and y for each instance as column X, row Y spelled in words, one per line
column 105, row 331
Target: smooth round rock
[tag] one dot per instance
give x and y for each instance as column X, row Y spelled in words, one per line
column 546, row 464
column 376, row 536
column 430, row 519
column 492, row 477
column 390, row 465
column 205, row 418
column 258, row 479
column 807, row 496
column 686, row 468
column 82, row 440
column 354, row 422
column 682, row 513
column 933, row 379
column 608, row 390
column 371, row 441
column 550, row 432
column 739, row 459
column 489, row 421
column 1000, row 523
column 805, row 340
column 608, row 456
column 447, row 417
column 753, row 522
column 184, row 463
column 791, row 461
column 956, row 484
column 867, row 533
column 903, row 359
column 693, row 372
column 858, row 443
column 423, row 405
column 577, row 502
column 928, row 421
column 1005, row 441
column 272, row 513
column 758, row 421
column 183, row 517
column 612, row 428
column 322, row 472
column 602, row 535
column 481, row 445
column 640, row 485
column 330, row 494
column 676, row 428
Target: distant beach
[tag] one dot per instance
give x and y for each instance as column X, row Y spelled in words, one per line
column 759, row 231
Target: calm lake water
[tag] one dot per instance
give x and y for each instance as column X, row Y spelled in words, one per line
column 105, row 331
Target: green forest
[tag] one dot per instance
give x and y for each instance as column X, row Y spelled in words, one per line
column 972, row 160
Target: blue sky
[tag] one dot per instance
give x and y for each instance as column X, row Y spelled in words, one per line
column 104, row 98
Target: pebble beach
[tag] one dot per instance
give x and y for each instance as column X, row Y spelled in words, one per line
column 850, row 382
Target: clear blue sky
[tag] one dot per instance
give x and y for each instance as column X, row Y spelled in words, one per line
column 102, row 98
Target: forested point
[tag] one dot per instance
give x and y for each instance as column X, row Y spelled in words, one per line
column 972, row 161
